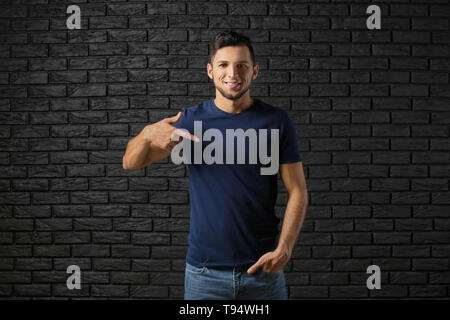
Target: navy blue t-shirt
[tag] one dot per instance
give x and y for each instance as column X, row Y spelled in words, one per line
column 232, row 217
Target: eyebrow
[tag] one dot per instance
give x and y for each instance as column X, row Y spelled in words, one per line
column 241, row 61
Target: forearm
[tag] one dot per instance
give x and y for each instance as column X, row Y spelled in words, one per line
column 136, row 153
column 294, row 217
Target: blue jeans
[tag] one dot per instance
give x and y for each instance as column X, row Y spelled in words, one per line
column 232, row 283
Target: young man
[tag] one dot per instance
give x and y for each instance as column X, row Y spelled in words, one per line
column 235, row 250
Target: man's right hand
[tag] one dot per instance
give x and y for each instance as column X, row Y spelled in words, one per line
column 154, row 143
column 160, row 133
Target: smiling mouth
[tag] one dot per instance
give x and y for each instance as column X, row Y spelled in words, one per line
column 232, row 84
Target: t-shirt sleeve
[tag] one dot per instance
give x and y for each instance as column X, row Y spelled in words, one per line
column 289, row 149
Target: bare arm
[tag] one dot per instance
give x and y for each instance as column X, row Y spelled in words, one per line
column 153, row 143
column 140, row 153
column 294, row 181
column 294, row 216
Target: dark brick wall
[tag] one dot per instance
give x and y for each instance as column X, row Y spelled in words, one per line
column 371, row 109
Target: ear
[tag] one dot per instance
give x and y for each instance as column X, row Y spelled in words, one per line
column 255, row 71
column 209, row 70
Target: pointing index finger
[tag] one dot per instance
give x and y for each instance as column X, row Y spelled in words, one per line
column 182, row 133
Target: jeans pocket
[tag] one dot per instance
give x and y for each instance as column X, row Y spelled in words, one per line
column 195, row 270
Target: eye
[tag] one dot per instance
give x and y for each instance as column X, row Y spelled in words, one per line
column 222, row 64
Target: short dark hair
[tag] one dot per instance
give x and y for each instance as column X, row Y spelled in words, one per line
column 230, row 38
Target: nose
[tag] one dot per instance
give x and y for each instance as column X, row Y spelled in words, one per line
column 232, row 72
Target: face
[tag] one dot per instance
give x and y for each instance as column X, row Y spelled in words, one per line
column 232, row 71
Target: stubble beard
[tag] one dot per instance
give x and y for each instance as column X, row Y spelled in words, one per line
column 232, row 97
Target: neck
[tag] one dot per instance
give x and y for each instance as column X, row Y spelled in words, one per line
column 233, row 106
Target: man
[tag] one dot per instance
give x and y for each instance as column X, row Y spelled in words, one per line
column 235, row 251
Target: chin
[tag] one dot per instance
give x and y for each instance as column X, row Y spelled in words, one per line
column 233, row 96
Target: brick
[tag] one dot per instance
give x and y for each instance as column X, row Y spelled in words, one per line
column 89, row 197
column 368, row 171
column 330, row 36
column 147, row 48
column 327, row 90
column 269, row 22
column 32, row 211
column 127, row 89
column 90, row 250
column 409, row 144
column 327, row 144
column 207, row 8
column 15, row 277
column 82, row 90
column 163, row 88
column 289, row 36
column 288, row 63
column 440, row 37
column 352, row 130
column 427, row 291
column 48, row 37
column 30, row 24
column 149, row 291
column 370, row 198
column 429, row 77
column 110, row 237
column 108, row 22
column 389, row 291
column 411, row 36
column 328, row 63
column 151, row 239
column 91, row 224
column 355, row 103
column 384, row 211
column 409, row 90
column 156, row 8
column 148, row 75
column 431, row 237
column 328, row 172
column 411, row 251
column 390, row 184
column 71, row 211
column 391, row 238
column 29, row 78
column 25, row 185
column 68, row 77
column 439, row 277
column 429, row 105
column 371, row 36
column 397, row 130
column 129, row 9
column 346, row 77
column 112, row 48
column 343, row 49
column 64, row 237
column 125, row 251
column 351, row 157
column 187, row 22
column 14, row 65
column 330, row 198
column 36, row 50
column 408, row 171
column 86, row 36
column 49, row 118
column 119, row 291
column 87, row 63
column 302, row 23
